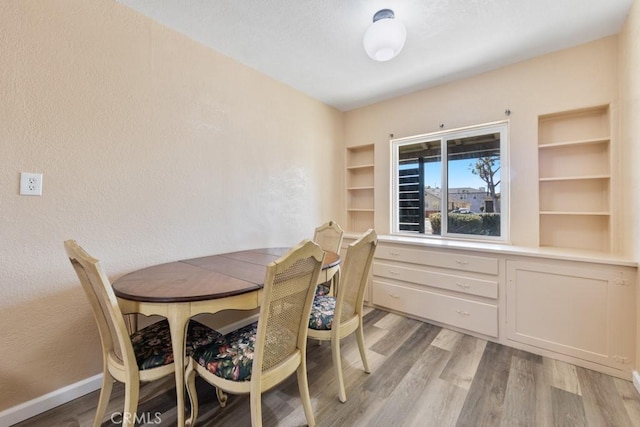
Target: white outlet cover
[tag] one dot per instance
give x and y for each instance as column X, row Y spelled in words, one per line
column 30, row 184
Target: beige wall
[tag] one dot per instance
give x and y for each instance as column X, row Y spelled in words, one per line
column 629, row 50
column 574, row 78
column 153, row 148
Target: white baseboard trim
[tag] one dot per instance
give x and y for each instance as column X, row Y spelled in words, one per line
column 50, row 400
column 636, row 381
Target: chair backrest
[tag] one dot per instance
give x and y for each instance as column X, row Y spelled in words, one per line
column 354, row 274
column 289, row 288
column 329, row 236
column 106, row 311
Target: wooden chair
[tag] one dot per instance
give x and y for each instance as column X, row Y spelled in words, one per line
column 329, row 237
column 257, row 357
column 143, row 356
column 333, row 318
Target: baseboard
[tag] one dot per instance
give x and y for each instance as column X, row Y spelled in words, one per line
column 636, row 381
column 48, row 401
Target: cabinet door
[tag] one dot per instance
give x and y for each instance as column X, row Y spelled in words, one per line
column 574, row 310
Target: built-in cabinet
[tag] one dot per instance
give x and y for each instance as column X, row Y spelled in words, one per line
column 575, row 181
column 572, row 298
column 569, row 307
column 360, row 188
column 580, row 310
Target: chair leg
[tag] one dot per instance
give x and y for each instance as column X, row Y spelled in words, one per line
column 362, row 347
column 337, row 367
column 303, row 385
column 190, row 381
column 105, row 395
column 222, row 397
column 131, row 396
column 255, row 400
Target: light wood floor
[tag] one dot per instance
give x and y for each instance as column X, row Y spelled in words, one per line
column 422, row 375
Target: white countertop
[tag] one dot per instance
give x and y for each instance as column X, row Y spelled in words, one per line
column 566, row 254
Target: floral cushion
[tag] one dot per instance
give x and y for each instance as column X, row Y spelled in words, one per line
column 322, row 310
column 323, row 289
column 152, row 345
column 232, row 356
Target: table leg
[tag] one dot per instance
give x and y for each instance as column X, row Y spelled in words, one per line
column 178, row 317
column 132, row 322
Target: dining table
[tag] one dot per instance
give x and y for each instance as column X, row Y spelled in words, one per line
column 182, row 289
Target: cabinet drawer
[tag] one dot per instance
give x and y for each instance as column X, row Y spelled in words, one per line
column 468, row 285
column 471, row 315
column 473, row 263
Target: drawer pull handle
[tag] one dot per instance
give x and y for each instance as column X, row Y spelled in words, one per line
column 463, row 285
column 394, row 273
column 462, row 312
column 394, row 296
column 394, row 253
column 462, row 262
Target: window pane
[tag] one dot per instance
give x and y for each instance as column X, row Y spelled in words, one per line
column 473, row 185
column 419, row 178
column 409, row 196
column 433, row 191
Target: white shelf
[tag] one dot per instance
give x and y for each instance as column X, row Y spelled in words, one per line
column 575, row 181
column 360, row 167
column 575, row 142
column 574, row 213
column 574, row 178
column 360, row 174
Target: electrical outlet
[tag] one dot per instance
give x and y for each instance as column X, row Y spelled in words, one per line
column 30, row 184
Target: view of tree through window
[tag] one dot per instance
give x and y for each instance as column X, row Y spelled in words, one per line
column 463, row 196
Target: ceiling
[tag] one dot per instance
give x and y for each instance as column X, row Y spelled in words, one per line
column 316, row 47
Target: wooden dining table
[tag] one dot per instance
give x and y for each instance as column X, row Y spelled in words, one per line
column 181, row 289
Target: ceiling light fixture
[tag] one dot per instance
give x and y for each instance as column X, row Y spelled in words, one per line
column 384, row 38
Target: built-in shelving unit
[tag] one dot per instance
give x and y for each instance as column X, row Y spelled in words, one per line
column 574, row 166
column 360, row 187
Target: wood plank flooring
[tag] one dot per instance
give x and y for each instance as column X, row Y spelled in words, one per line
column 421, row 375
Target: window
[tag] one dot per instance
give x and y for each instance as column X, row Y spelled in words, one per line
column 464, row 196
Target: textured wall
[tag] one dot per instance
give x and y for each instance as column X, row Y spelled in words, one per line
column 574, row 78
column 153, row 148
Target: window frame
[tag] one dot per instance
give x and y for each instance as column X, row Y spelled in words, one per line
column 501, row 127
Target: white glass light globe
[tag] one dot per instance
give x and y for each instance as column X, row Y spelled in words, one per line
column 384, row 39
